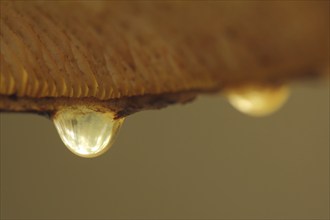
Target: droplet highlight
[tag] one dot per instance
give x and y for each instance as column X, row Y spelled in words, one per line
column 85, row 132
column 258, row 101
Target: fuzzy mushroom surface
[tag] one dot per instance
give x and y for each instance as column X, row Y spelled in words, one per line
column 135, row 55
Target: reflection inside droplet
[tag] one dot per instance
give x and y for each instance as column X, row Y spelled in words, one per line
column 258, row 100
column 86, row 132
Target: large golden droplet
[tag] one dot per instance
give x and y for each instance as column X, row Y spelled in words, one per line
column 258, row 100
column 85, row 132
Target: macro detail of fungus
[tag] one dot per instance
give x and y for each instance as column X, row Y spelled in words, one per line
column 129, row 56
column 118, row 58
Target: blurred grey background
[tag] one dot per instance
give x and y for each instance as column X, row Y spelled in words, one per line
column 203, row 160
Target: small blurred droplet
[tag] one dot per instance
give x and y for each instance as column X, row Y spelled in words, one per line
column 258, row 101
column 85, row 132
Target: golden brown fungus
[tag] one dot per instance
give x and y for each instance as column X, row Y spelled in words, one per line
column 134, row 55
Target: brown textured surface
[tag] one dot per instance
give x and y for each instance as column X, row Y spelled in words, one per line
column 105, row 51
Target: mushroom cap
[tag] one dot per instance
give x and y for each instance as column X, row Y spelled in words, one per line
column 129, row 56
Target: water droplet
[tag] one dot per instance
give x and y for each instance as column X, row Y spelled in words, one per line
column 257, row 100
column 87, row 133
